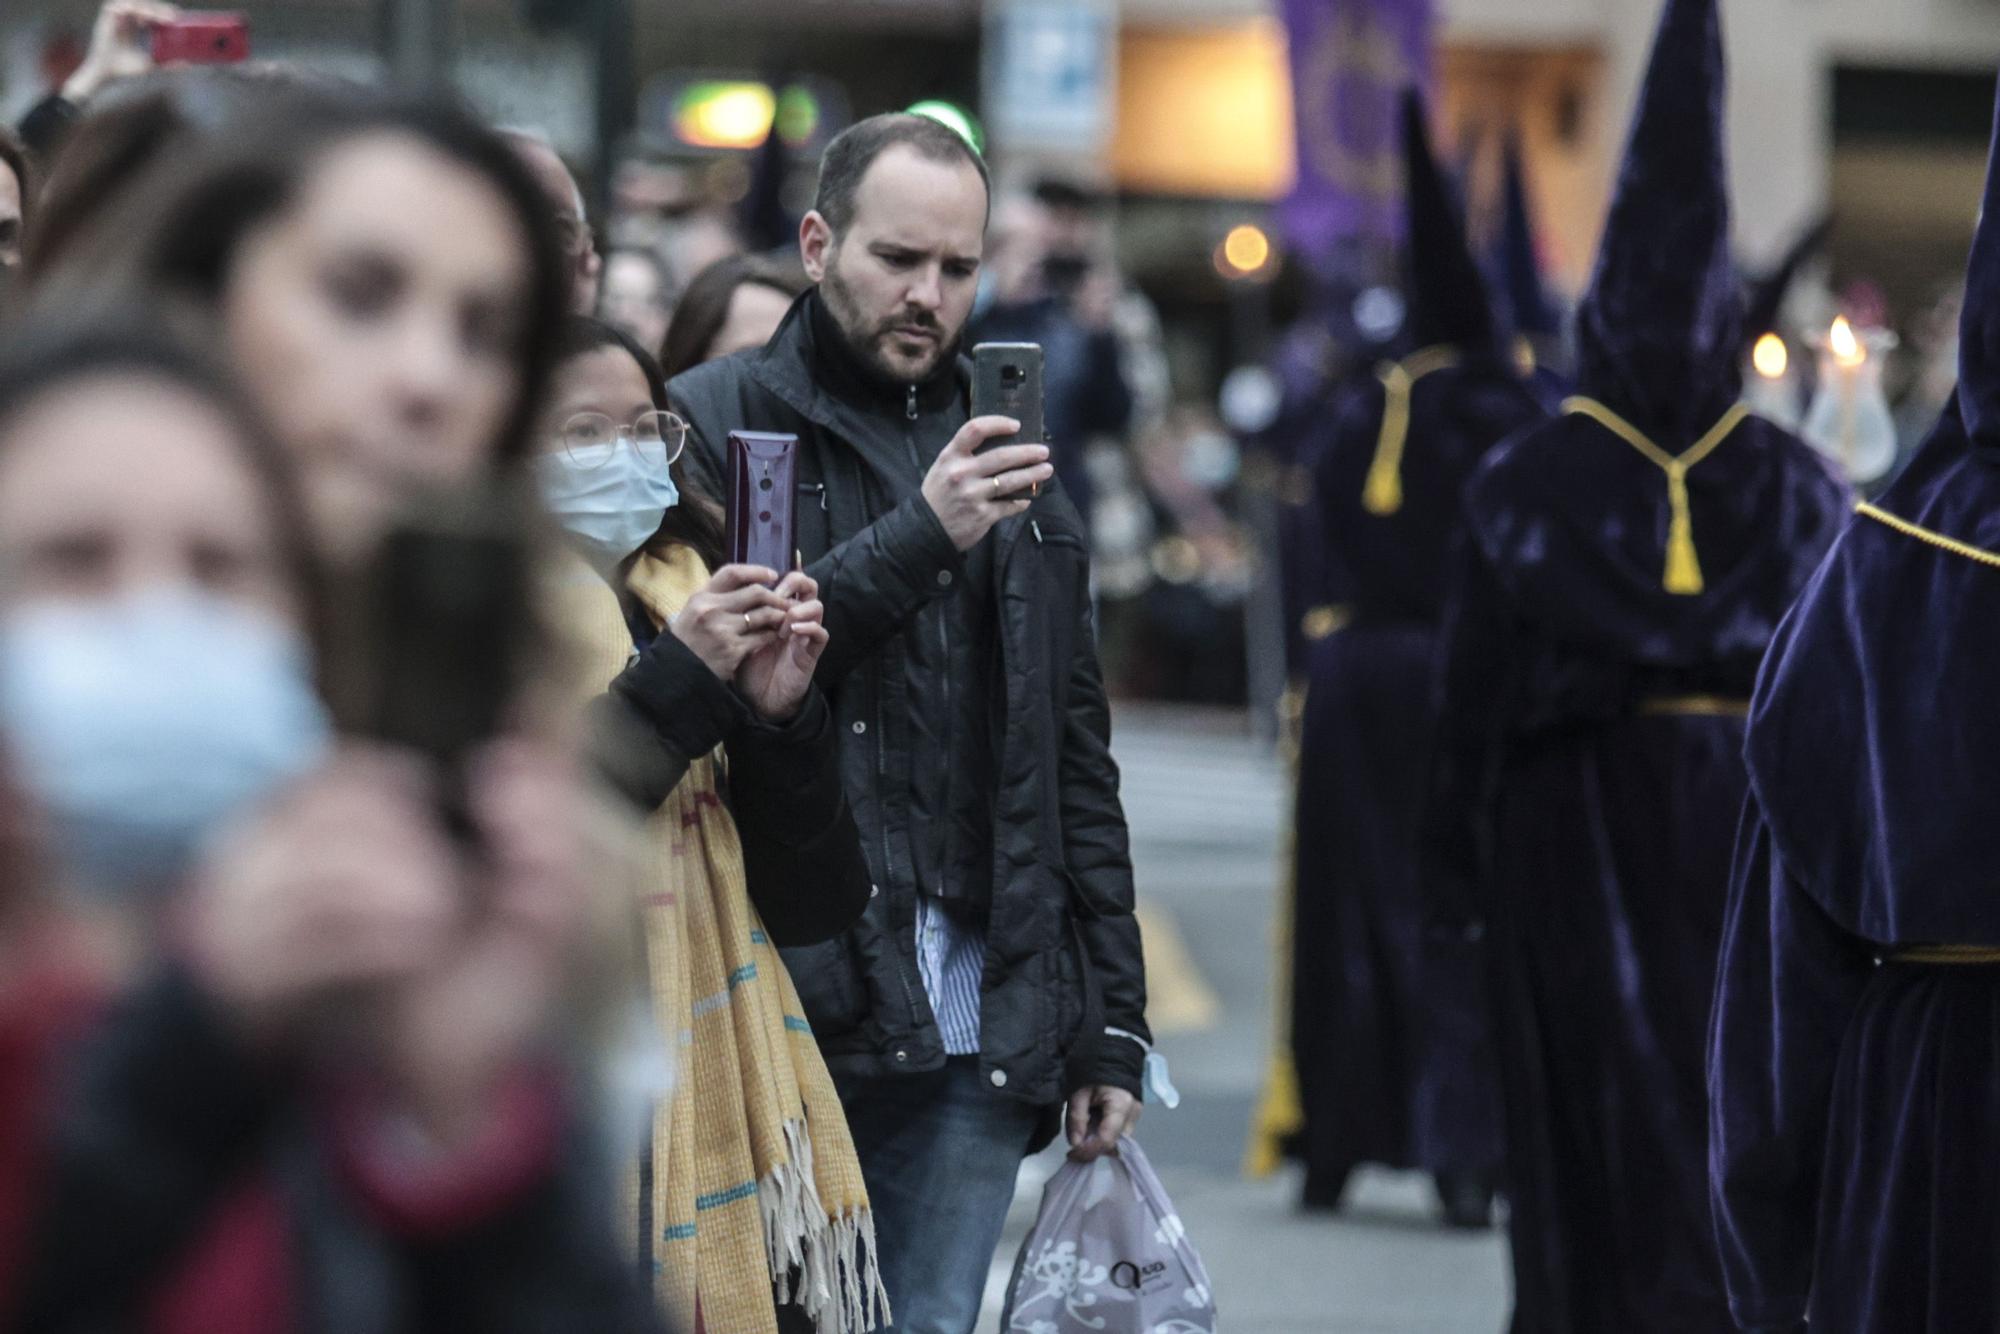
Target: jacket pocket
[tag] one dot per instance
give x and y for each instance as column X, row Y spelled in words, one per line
column 829, row 986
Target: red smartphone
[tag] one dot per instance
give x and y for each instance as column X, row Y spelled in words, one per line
column 202, row 37
column 763, row 499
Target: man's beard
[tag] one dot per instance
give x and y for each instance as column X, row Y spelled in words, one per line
column 865, row 340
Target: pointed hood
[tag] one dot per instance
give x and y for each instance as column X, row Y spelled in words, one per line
column 1979, row 325
column 1657, row 332
column 1448, row 298
column 1519, row 266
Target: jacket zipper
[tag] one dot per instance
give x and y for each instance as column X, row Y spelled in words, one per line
column 944, row 620
column 882, row 768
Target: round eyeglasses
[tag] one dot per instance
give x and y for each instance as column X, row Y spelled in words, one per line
column 588, row 437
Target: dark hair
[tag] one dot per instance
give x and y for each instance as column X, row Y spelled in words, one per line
column 43, row 355
column 134, row 123
column 1056, row 192
column 175, row 231
column 696, row 521
column 854, row 150
column 704, row 307
column 14, row 156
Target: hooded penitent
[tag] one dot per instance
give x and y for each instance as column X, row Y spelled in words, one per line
column 1404, row 445
column 1855, row 1064
column 1392, row 1056
column 1628, row 563
column 1656, row 480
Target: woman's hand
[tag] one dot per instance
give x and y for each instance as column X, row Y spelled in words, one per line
column 346, row 881
column 448, row 1035
column 735, row 614
column 121, row 45
column 775, row 678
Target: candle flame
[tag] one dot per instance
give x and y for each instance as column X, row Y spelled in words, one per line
column 1771, row 357
column 1847, row 349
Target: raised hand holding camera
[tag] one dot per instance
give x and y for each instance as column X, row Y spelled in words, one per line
column 970, row 489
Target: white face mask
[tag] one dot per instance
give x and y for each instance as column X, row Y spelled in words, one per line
column 610, row 498
column 141, row 724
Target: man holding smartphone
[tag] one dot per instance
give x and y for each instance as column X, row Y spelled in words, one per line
column 996, row 978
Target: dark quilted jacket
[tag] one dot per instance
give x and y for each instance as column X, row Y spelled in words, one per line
column 1063, row 958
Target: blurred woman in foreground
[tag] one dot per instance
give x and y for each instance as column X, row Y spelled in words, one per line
column 386, row 284
column 268, row 1114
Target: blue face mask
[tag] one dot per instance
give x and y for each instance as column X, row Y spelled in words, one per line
column 140, row 725
column 610, row 498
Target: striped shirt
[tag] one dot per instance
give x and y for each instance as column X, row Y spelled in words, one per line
column 951, row 960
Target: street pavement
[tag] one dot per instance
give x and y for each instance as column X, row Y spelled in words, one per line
column 1207, row 810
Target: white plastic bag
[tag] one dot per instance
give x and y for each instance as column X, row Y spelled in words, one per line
column 1108, row 1255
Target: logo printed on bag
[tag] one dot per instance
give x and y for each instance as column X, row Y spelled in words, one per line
column 1131, row 1277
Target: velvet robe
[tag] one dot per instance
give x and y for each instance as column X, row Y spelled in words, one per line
column 1587, row 784
column 1392, row 1048
column 1855, row 1097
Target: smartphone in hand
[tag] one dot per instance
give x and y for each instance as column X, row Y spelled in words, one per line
column 763, row 499
column 202, row 37
column 1007, row 382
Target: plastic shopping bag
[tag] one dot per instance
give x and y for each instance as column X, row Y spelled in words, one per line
column 1108, row 1255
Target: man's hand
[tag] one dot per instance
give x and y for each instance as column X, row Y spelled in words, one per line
column 1098, row 1118
column 970, row 491
column 121, row 46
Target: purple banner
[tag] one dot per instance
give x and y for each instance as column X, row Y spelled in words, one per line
column 1351, row 60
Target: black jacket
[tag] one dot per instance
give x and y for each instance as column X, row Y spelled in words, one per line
column 167, row 1113
column 801, row 854
column 1063, row 958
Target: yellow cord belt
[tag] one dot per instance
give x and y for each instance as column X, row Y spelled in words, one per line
column 1683, row 572
column 1957, row 956
column 1694, row 706
column 1382, row 494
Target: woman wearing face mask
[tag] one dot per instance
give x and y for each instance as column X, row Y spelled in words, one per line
column 700, row 662
column 154, row 678
column 157, row 605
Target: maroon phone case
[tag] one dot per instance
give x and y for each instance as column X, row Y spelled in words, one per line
column 199, row 37
column 763, row 499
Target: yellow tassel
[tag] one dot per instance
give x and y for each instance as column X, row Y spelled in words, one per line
column 1683, row 573
column 1382, row 495
column 1683, row 576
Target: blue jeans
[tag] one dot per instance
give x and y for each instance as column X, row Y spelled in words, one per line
column 939, row 1152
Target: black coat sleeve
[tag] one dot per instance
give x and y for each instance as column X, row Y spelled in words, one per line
column 875, row 582
column 163, row 1112
column 801, row 851
column 1097, row 854
column 661, row 714
column 46, row 123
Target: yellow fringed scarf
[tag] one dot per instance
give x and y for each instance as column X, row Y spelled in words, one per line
column 756, row 1189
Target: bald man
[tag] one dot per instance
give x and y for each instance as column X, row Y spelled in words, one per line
column 566, row 198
